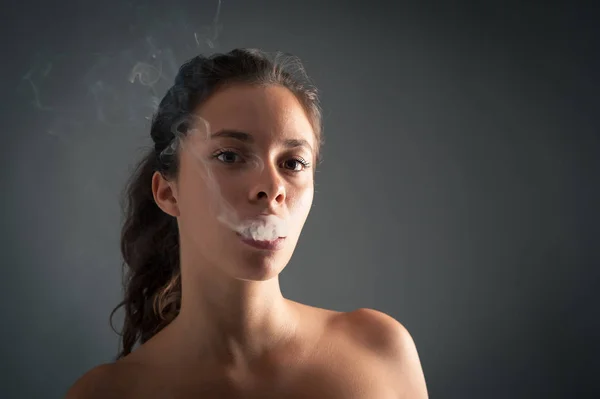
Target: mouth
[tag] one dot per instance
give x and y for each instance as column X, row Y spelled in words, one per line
column 268, row 245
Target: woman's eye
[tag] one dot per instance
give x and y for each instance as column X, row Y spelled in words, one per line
column 296, row 165
column 227, row 157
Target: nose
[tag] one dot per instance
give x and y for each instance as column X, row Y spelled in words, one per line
column 268, row 187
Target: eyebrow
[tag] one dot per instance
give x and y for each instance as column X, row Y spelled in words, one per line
column 248, row 138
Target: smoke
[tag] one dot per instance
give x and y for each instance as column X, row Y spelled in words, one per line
column 265, row 228
column 121, row 90
column 75, row 93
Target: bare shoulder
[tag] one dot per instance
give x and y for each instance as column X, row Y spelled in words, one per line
column 100, row 382
column 393, row 345
column 379, row 331
column 369, row 328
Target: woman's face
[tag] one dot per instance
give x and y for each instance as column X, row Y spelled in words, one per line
column 255, row 156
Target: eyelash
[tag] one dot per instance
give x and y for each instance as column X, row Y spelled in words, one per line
column 305, row 164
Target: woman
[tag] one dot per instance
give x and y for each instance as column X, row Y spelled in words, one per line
column 214, row 213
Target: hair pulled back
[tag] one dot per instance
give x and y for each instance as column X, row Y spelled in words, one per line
column 149, row 236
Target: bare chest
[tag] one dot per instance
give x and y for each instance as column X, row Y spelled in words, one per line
column 348, row 375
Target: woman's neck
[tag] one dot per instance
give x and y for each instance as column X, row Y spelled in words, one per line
column 232, row 321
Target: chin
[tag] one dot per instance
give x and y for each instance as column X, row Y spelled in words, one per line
column 258, row 267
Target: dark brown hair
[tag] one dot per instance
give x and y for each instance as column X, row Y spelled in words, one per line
column 149, row 237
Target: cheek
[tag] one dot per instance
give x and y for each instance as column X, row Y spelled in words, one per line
column 194, row 200
column 206, row 190
column 301, row 203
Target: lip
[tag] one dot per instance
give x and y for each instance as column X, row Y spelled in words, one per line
column 272, row 245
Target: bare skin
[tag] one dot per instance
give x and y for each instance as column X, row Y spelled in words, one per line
column 333, row 355
column 236, row 336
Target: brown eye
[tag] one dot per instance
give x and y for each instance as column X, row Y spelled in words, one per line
column 295, row 164
column 227, row 157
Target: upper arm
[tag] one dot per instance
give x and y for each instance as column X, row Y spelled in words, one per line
column 396, row 348
column 95, row 384
column 405, row 363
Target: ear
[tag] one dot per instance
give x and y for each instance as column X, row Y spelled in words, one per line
column 165, row 194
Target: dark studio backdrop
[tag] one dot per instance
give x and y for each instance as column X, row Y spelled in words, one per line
column 459, row 190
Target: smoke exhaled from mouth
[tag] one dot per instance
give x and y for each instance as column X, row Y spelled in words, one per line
column 191, row 132
column 267, row 228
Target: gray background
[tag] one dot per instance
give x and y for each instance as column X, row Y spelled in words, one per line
column 458, row 192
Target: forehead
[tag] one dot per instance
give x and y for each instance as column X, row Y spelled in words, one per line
column 262, row 111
